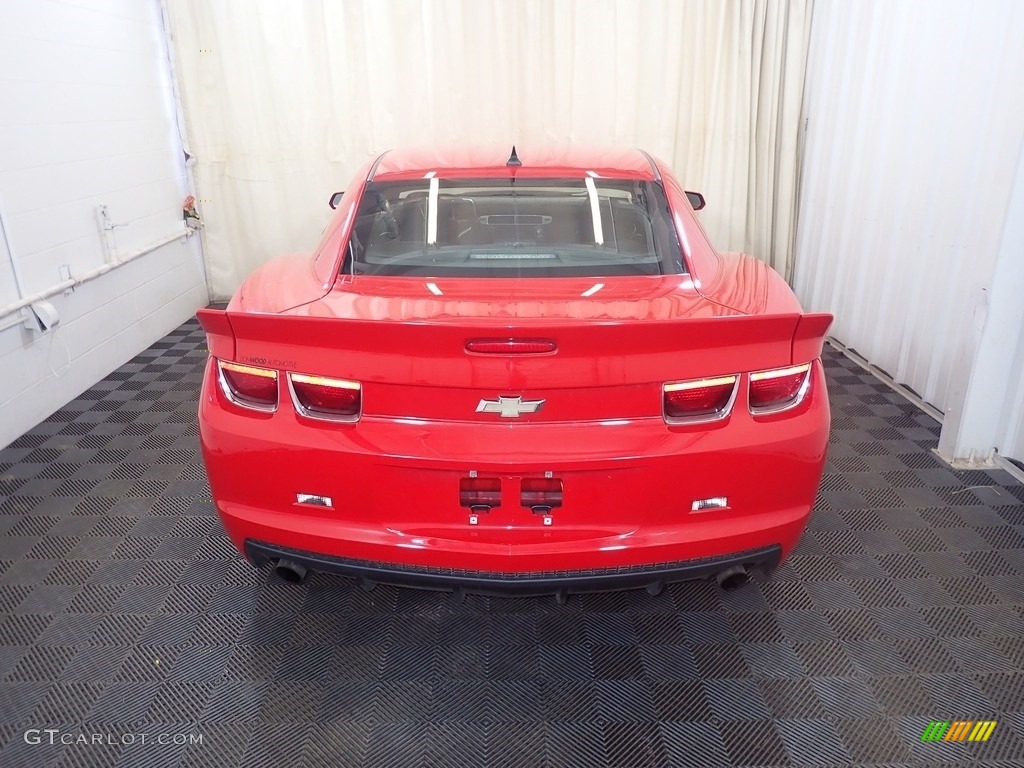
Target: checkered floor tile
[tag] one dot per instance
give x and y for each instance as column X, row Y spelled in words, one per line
column 131, row 633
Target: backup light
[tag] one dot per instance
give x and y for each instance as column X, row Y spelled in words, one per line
column 248, row 386
column 699, row 400
column 779, row 389
column 319, row 397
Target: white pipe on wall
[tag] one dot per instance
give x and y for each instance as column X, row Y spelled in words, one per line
column 53, row 290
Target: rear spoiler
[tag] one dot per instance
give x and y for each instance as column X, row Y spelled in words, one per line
column 220, row 337
column 810, row 335
column 424, row 351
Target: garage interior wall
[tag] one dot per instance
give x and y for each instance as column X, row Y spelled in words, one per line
column 991, row 415
column 914, row 123
column 284, row 101
column 87, row 117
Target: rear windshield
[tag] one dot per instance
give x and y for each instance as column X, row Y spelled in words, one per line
column 582, row 227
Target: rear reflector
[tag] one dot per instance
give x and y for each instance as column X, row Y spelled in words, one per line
column 510, row 346
column 700, row 400
column 248, row 386
column 777, row 390
column 314, row 499
column 543, row 492
column 480, row 492
column 321, row 398
column 715, row 502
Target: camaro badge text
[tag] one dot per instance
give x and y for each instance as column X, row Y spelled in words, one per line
column 509, row 407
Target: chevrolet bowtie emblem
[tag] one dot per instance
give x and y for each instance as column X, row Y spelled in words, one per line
column 509, row 407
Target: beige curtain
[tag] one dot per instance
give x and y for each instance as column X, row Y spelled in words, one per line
column 284, row 100
column 915, row 121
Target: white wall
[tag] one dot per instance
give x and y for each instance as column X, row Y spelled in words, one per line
column 87, row 117
column 915, row 121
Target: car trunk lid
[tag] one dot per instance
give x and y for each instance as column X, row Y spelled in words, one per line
column 514, row 351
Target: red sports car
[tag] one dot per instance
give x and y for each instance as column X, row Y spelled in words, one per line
column 506, row 371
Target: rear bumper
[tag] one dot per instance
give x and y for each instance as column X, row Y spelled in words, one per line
column 627, row 515
column 533, row 583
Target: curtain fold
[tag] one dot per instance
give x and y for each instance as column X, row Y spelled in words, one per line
column 285, row 100
column 915, row 121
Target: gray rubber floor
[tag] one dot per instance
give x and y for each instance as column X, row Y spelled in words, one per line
column 131, row 628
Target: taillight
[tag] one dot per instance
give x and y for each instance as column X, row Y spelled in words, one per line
column 248, row 386
column 321, row 398
column 700, row 400
column 777, row 390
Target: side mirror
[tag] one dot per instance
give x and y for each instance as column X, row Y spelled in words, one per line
column 696, row 200
column 335, row 199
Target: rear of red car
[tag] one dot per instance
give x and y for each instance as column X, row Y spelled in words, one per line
column 517, row 386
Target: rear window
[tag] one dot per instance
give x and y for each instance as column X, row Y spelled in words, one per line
column 582, row 227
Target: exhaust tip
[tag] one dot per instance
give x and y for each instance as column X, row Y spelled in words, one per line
column 732, row 578
column 291, row 572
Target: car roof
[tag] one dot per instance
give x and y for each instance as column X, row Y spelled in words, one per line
column 480, row 160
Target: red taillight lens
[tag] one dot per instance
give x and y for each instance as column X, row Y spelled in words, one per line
column 704, row 399
column 779, row 389
column 475, row 492
column 323, row 398
column 249, row 386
